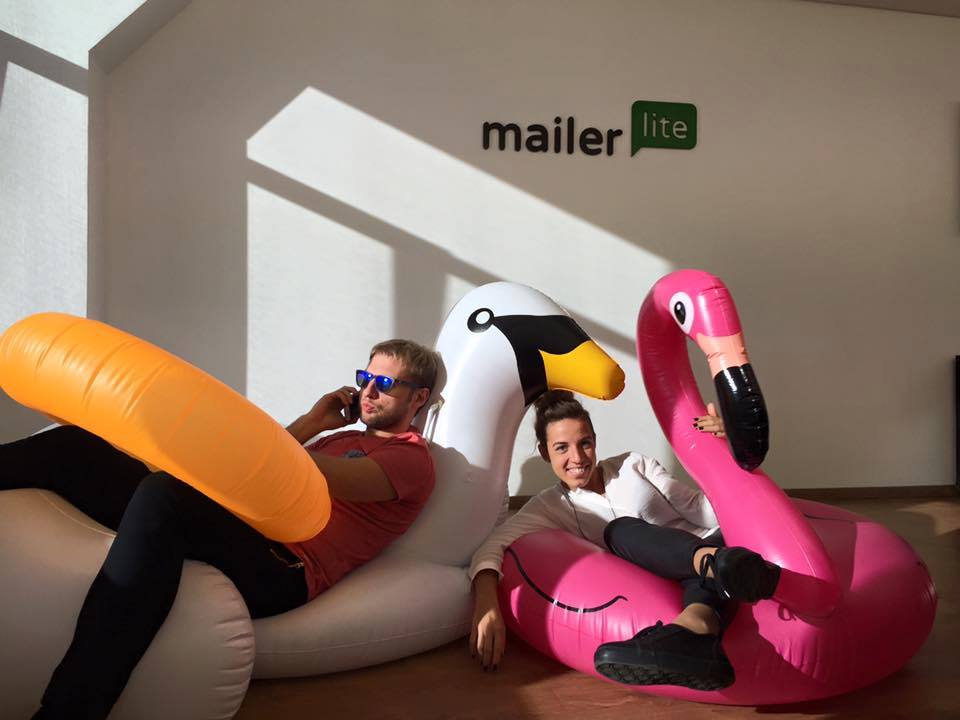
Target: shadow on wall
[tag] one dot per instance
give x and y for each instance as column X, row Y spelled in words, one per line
column 535, row 475
column 420, row 267
column 18, row 420
column 379, row 229
column 441, row 217
column 39, row 61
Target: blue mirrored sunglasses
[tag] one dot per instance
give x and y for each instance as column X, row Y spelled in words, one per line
column 383, row 383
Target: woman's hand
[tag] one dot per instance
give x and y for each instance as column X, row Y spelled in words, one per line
column 711, row 422
column 488, row 633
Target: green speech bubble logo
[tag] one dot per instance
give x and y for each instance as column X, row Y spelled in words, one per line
column 663, row 125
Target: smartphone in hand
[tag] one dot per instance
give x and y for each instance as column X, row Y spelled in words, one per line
column 351, row 412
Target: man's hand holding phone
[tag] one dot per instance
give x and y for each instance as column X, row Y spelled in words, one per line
column 331, row 412
column 351, row 411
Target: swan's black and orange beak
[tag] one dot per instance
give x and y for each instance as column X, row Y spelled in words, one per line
column 553, row 352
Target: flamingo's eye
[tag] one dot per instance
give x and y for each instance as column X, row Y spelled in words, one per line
column 480, row 320
column 681, row 307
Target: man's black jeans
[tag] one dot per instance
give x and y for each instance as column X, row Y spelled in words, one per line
column 160, row 522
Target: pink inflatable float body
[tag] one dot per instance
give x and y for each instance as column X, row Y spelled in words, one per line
column 854, row 602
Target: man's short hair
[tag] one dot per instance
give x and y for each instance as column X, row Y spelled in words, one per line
column 420, row 363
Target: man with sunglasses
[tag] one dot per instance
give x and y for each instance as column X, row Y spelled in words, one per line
column 379, row 480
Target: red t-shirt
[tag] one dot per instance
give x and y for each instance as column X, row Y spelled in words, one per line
column 357, row 531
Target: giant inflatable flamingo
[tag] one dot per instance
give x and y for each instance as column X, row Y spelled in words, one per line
column 854, row 601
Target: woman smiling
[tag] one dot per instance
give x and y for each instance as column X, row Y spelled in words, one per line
column 631, row 505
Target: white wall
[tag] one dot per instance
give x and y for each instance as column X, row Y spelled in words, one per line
column 288, row 183
column 44, row 83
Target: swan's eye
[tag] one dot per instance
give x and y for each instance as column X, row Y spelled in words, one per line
column 480, row 320
column 681, row 307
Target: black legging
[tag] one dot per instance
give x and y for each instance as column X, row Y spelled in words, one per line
column 667, row 552
column 160, row 521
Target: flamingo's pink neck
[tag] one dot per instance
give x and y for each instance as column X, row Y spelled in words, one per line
column 752, row 510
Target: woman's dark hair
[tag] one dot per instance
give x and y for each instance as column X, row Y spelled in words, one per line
column 556, row 405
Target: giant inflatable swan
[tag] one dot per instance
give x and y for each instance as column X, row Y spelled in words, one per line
column 854, row 602
column 502, row 345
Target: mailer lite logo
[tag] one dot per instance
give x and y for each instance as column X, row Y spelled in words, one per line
column 652, row 124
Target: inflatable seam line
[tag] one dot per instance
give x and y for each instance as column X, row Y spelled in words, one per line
column 145, row 386
column 95, row 374
column 49, row 347
column 93, row 525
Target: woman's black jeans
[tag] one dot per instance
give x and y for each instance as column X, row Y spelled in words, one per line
column 667, row 552
column 160, row 522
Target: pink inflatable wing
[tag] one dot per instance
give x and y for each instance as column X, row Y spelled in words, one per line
column 844, row 576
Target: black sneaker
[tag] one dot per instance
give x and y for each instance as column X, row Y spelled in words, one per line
column 740, row 574
column 666, row 655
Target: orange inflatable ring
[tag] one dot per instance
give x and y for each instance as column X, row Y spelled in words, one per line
column 169, row 414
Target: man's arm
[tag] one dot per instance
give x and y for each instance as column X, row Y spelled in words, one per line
column 303, row 428
column 355, row 479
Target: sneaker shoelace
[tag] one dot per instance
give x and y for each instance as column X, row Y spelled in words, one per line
column 708, row 562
